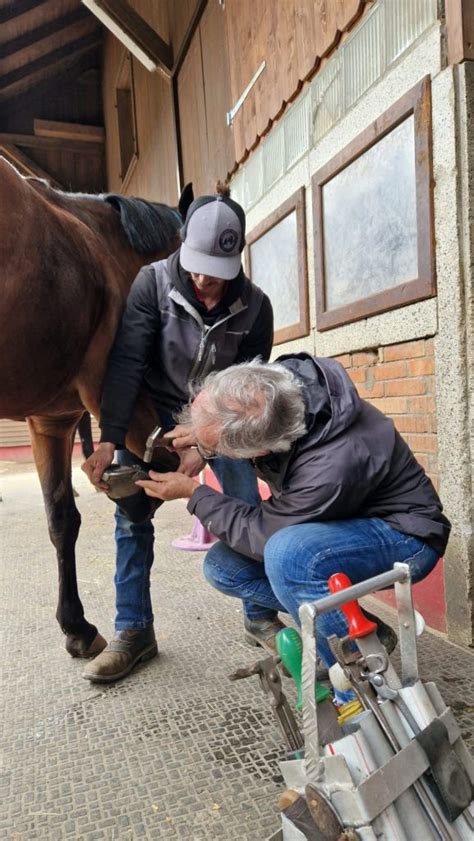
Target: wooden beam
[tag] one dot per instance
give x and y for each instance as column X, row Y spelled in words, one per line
column 17, row 8
column 460, row 30
column 45, row 61
column 53, row 63
column 68, row 78
column 189, row 34
column 25, row 165
column 32, row 142
column 69, row 131
column 130, row 28
column 26, row 39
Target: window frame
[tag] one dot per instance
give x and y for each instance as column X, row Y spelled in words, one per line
column 295, row 203
column 416, row 102
column 125, row 82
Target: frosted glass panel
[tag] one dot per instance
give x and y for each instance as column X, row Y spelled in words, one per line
column 274, row 267
column 369, row 221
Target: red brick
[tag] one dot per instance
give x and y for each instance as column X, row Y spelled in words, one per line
column 414, row 423
column 406, row 350
column 423, row 443
column 423, row 460
column 420, row 367
column 429, row 345
column 435, row 479
column 392, row 405
column 369, row 357
column 390, row 370
column 344, row 360
column 406, row 386
column 370, row 390
column 421, row 405
column 358, row 375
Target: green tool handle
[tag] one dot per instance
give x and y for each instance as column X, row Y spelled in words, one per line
column 290, row 648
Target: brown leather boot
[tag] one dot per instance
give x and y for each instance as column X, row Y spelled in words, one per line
column 263, row 632
column 122, row 654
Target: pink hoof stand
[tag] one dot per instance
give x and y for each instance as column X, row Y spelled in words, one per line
column 199, row 540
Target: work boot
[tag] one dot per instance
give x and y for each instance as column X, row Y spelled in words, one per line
column 117, row 660
column 385, row 633
column 263, row 632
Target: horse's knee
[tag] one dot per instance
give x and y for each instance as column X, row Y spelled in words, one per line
column 64, row 524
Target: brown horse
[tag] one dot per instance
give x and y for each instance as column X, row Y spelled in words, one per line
column 66, row 265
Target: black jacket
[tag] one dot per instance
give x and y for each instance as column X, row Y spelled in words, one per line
column 167, row 339
column 351, row 463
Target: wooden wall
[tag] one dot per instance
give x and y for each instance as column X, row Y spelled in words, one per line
column 292, row 37
column 460, row 30
column 229, row 44
column 205, row 96
column 155, row 173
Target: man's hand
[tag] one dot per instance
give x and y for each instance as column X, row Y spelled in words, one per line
column 97, row 463
column 168, row 485
column 191, row 462
column 180, row 437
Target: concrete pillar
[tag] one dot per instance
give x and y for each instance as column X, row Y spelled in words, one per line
column 454, row 198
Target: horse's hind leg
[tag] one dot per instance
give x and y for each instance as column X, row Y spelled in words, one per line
column 52, row 448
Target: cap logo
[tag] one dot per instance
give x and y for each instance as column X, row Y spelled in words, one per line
column 228, row 240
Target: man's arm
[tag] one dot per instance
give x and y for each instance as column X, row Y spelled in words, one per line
column 129, row 358
column 246, row 528
column 334, row 494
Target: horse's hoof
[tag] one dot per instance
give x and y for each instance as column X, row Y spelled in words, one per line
column 75, row 646
column 98, row 645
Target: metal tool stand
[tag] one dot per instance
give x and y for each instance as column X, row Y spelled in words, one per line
column 400, row 770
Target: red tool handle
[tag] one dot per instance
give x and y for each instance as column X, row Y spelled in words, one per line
column 359, row 625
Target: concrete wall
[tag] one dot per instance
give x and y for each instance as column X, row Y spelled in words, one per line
column 448, row 319
column 456, row 351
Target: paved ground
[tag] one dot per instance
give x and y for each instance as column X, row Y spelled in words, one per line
column 174, row 752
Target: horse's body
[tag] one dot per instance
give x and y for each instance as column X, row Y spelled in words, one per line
column 66, row 265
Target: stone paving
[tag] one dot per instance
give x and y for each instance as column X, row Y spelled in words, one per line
column 176, row 751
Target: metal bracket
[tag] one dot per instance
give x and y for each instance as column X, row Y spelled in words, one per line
column 231, row 114
column 270, row 682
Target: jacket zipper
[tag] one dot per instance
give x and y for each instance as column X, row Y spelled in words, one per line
column 201, row 357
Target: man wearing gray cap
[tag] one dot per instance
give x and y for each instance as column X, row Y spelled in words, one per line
column 190, row 314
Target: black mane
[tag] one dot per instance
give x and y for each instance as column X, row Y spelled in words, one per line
column 149, row 226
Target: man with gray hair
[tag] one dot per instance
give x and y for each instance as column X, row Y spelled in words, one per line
column 347, row 494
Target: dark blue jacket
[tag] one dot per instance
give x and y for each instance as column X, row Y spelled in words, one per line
column 351, row 463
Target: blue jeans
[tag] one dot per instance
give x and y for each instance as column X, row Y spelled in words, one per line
column 134, row 542
column 298, row 560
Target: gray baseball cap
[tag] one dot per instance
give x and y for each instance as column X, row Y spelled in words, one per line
column 213, row 237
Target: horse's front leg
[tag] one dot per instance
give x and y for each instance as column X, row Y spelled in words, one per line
column 52, row 448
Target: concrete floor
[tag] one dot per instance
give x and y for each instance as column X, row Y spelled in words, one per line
column 176, row 751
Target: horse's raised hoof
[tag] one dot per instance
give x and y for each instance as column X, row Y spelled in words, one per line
column 76, row 647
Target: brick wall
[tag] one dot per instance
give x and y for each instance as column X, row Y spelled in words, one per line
column 399, row 380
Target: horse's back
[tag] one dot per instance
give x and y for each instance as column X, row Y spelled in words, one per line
column 52, row 295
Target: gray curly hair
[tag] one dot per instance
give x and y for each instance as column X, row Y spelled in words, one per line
column 254, row 407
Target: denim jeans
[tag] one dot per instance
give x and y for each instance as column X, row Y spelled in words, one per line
column 134, row 542
column 298, row 561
